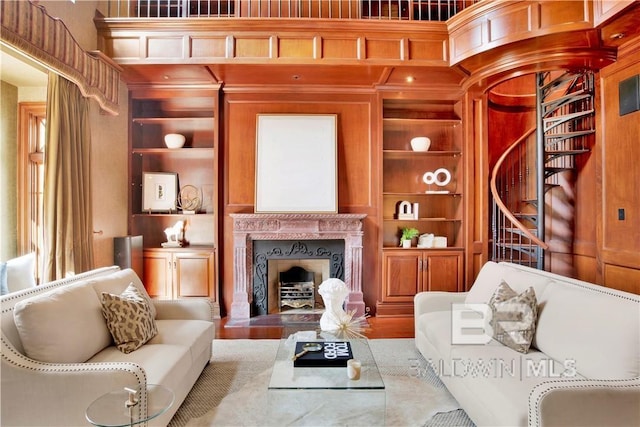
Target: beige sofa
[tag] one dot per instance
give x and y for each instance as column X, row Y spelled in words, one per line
column 66, row 325
column 583, row 368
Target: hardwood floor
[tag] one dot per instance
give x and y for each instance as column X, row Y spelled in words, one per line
column 379, row 327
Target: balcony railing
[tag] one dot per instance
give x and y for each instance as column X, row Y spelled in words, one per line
column 417, row 10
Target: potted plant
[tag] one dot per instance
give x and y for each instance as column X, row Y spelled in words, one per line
column 408, row 233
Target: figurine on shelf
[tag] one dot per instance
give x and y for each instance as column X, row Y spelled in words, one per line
column 175, row 236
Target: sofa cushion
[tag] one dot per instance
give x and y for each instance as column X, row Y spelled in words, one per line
column 129, row 318
column 514, row 317
column 63, row 325
column 519, row 279
column 578, row 317
column 21, row 272
column 117, row 282
column 164, row 364
column 196, row 334
column 498, row 380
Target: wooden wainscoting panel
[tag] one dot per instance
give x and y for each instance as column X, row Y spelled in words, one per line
column 340, row 48
column 165, row 47
column 429, row 50
column 511, row 21
column 295, row 47
column 252, row 47
column 623, row 278
column 383, row 49
column 208, row 47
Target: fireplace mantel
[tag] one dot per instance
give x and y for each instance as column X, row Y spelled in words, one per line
column 290, row 226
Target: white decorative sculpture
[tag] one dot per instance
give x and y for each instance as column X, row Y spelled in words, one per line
column 405, row 210
column 333, row 292
column 174, row 235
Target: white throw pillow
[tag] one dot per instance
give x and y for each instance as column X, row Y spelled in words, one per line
column 63, row 325
column 21, row 272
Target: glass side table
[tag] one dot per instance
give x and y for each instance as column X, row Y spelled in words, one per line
column 120, row 408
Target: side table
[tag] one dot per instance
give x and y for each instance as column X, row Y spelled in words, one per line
column 119, row 408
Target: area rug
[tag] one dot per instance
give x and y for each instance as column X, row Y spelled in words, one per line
column 232, row 390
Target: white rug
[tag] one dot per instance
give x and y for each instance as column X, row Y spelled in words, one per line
column 232, row 390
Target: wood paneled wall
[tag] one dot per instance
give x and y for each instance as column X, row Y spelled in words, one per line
column 358, row 166
column 618, row 160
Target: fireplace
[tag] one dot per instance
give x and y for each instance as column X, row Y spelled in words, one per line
column 297, row 233
column 266, row 269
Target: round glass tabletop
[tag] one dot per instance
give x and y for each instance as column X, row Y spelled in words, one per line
column 111, row 409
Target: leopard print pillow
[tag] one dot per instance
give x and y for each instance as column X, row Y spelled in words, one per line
column 129, row 318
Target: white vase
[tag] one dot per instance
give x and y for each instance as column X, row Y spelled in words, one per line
column 406, row 243
column 174, row 140
column 420, row 143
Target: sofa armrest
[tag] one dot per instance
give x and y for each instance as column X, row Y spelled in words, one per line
column 585, row 403
column 425, row 302
column 184, row 309
column 60, row 392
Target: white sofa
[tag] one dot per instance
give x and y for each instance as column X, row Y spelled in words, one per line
column 583, row 368
column 51, row 393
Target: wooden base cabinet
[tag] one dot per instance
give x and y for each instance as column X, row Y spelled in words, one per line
column 171, row 273
column 405, row 272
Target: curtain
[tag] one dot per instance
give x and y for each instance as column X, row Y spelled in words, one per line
column 68, row 226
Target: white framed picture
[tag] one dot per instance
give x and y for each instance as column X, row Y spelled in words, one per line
column 296, row 163
column 159, row 191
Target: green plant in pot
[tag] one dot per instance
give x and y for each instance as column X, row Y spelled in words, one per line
column 408, row 233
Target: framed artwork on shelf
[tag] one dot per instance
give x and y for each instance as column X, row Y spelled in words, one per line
column 296, row 163
column 159, row 191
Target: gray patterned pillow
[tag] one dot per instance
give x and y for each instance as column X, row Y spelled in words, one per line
column 129, row 319
column 514, row 317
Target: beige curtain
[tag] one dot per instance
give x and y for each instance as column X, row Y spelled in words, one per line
column 67, row 189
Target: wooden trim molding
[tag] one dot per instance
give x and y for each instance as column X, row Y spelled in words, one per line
column 29, row 29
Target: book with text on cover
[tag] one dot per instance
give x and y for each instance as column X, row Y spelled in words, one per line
column 334, row 354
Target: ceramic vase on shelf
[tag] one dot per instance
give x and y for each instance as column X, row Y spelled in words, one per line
column 420, row 143
column 406, row 243
column 174, row 140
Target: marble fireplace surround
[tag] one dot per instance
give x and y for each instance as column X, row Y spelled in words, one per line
column 291, row 226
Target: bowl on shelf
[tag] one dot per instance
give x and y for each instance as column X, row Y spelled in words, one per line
column 420, row 143
column 174, row 140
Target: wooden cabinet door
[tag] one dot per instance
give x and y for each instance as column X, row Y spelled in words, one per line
column 443, row 271
column 402, row 275
column 157, row 273
column 194, row 274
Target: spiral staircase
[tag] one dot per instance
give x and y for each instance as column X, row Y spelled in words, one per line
column 532, row 183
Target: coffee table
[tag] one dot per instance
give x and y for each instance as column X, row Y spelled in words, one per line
column 325, row 396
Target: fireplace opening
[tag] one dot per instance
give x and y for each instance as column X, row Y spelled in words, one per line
column 293, row 285
column 320, row 259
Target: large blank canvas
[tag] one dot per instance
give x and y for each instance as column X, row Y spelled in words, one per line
column 296, row 163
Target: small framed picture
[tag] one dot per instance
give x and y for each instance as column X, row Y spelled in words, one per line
column 159, row 191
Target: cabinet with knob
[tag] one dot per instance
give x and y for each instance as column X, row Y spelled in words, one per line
column 409, row 271
column 171, row 273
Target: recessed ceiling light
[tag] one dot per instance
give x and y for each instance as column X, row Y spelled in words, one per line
column 296, row 77
column 617, row 36
column 410, row 79
column 166, row 77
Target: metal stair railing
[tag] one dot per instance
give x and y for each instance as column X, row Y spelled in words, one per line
column 564, row 127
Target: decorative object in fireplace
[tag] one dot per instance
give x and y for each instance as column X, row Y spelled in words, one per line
column 297, row 288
